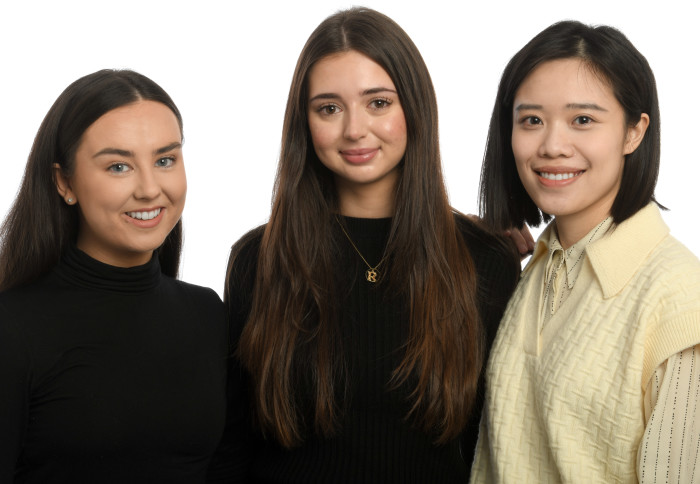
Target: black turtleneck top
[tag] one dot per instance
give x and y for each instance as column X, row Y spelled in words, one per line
column 110, row 375
column 375, row 443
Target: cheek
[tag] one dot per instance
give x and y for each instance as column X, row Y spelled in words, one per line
column 394, row 128
column 176, row 188
column 322, row 135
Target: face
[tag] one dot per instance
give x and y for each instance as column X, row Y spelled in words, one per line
column 357, row 123
column 129, row 183
column 570, row 139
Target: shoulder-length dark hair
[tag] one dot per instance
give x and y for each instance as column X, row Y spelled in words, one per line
column 429, row 264
column 609, row 54
column 40, row 225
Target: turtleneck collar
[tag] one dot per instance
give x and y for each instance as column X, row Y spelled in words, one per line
column 78, row 268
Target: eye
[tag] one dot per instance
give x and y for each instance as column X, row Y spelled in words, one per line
column 165, row 162
column 380, row 103
column 583, row 120
column 329, row 109
column 530, row 121
column 118, row 168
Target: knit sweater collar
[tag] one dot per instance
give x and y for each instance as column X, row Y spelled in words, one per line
column 81, row 270
column 617, row 256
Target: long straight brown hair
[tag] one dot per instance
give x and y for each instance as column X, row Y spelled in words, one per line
column 292, row 333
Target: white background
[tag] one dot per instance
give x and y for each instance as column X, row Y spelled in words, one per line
column 228, row 67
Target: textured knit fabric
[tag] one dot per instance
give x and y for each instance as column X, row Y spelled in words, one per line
column 375, row 442
column 572, row 410
column 110, row 375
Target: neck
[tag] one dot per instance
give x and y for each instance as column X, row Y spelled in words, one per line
column 571, row 231
column 376, row 200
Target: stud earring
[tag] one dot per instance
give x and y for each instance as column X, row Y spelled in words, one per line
column 69, row 201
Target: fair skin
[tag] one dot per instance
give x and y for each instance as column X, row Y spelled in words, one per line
column 129, row 183
column 570, row 139
column 358, row 131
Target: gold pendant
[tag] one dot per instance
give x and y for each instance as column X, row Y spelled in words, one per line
column 371, row 275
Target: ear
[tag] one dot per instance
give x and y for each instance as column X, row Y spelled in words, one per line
column 635, row 134
column 63, row 185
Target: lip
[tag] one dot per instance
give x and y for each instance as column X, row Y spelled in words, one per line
column 359, row 155
column 561, row 172
column 145, row 224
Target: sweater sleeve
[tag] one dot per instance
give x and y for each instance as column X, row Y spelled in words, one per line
column 669, row 449
column 14, row 390
column 231, row 461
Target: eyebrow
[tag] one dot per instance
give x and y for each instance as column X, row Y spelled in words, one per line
column 130, row 154
column 594, row 106
column 331, row 95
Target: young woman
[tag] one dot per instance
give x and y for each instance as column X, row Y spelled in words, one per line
column 366, row 303
column 593, row 376
column 111, row 370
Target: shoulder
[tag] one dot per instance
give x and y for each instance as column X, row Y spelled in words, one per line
column 671, row 273
column 201, row 294
column 247, row 247
column 242, row 268
column 492, row 254
column 27, row 301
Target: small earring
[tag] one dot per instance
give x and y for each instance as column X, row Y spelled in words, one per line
column 69, row 201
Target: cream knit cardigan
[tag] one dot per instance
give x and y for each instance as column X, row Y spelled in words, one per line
column 572, row 411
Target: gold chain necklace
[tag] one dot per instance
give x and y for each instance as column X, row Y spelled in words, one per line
column 371, row 274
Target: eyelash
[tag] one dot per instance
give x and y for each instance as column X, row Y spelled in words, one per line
column 582, row 120
column 324, row 109
column 384, row 103
column 170, row 160
column 588, row 119
column 528, row 121
column 113, row 168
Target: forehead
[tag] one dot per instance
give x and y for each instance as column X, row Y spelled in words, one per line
column 139, row 122
column 350, row 69
column 564, row 80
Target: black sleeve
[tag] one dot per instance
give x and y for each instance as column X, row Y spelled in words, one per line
column 14, row 393
column 231, row 462
column 497, row 267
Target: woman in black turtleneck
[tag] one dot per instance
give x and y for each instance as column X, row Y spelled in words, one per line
column 111, row 370
column 366, row 304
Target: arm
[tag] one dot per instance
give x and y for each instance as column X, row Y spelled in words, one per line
column 670, row 448
column 231, row 461
column 14, row 389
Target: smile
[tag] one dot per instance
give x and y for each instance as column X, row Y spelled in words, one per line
column 361, row 155
column 558, row 176
column 144, row 215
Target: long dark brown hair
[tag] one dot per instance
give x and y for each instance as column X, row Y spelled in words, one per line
column 40, row 225
column 294, row 303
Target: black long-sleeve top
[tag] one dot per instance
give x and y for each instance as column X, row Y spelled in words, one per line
column 375, row 441
column 110, row 375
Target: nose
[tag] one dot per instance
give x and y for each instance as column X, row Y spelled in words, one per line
column 356, row 124
column 147, row 187
column 556, row 142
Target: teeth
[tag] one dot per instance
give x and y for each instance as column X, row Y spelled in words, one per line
column 558, row 176
column 144, row 215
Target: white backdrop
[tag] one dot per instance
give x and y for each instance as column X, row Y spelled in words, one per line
column 228, row 68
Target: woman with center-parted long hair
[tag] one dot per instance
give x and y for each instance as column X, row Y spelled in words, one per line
column 111, row 371
column 366, row 303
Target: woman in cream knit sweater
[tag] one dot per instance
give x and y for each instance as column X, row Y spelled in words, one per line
column 594, row 375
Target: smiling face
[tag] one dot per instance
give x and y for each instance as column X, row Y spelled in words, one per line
column 358, row 129
column 569, row 140
column 129, row 183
